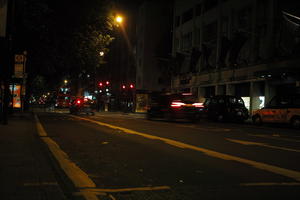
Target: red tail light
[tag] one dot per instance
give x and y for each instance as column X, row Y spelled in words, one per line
column 177, row 104
column 198, row 105
column 78, row 102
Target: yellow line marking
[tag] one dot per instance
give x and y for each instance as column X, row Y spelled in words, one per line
column 79, row 178
column 127, row 189
column 270, row 168
column 262, row 144
column 271, row 184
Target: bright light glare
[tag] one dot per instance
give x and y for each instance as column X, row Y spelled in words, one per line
column 198, row 105
column 262, row 102
column 177, row 104
column 119, row 19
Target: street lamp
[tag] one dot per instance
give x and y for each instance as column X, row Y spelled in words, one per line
column 65, row 81
column 101, row 53
column 119, row 19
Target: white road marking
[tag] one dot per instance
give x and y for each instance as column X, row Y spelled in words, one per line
column 205, row 128
column 271, row 184
column 259, row 165
column 262, row 144
column 275, row 138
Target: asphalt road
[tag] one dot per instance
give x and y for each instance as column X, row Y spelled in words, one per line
column 129, row 157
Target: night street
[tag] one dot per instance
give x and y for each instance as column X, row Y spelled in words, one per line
column 129, row 157
column 150, row 100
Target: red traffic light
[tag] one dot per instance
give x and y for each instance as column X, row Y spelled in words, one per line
column 100, row 84
column 131, row 86
column 107, row 82
column 123, row 87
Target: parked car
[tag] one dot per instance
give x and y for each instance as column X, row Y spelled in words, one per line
column 173, row 106
column 225, row 107
column 81, row 105
column 281, row 109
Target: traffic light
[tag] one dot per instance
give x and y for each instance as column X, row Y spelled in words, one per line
column 100, row 84
column 131, row 86
column 123, row 87
column 107, row 82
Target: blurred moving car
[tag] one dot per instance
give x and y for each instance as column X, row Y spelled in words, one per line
column 174, row 106
column 82, row 105
column 225, row 107
column 281, row 109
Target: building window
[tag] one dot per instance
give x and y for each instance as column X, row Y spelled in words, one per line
column 187, row 15
column 198, row 9
column 177, row 21
column 187, row 41
column 244, row 19
column 210, row 31
column 225, row 26
column 176, row 44
column 197, row 36
column 210, row 4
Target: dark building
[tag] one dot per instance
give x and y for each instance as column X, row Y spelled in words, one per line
column 247, row 48
column 154, row 45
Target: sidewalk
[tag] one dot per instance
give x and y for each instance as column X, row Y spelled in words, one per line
column 25, row 171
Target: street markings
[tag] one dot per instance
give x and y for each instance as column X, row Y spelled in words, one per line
column 79, row 178
column 205, row 128
column 275, row 137
column 261, row 144
column 259, row 165
column 271, row 184
column 87, row 188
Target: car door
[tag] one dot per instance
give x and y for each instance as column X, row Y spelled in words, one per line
column 282, row 110
column 270, row 112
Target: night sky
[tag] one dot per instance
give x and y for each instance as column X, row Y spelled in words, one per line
column 49, row 29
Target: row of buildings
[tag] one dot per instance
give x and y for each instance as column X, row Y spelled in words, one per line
column 248, row 48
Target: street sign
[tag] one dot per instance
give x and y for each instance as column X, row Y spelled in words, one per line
column 19, row 66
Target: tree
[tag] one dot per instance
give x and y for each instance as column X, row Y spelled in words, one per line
column 64, row 38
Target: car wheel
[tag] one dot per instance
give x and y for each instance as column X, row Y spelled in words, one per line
column 295, row 122
column 256, row 120
column 168, row 116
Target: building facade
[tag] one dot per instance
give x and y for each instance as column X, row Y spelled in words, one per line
column 153, row 47
column 247, row 48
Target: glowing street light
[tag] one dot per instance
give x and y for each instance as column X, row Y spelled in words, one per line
column 119, row 19
column 65, row 81
column 101, row 53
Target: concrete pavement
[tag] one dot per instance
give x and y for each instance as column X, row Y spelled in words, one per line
column 25, row 171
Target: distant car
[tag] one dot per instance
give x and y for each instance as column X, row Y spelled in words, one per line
column 173, row 106
column 225, row 107
column 82, row 105
column 281, row 109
